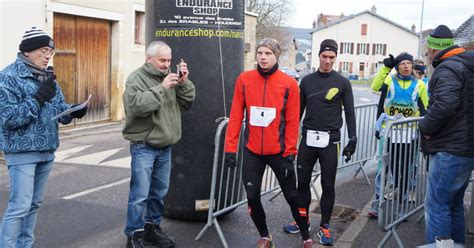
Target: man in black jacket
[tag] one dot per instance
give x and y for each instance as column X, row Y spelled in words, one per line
column 448, row 127
column 323, row 95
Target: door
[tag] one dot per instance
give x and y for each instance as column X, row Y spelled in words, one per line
column 82, row 63
column 361, row 70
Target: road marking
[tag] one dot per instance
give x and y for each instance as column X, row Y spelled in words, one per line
column 85, row 192
column 93, row 158
column 364, row 99
column 61, row 155
column 120, row 163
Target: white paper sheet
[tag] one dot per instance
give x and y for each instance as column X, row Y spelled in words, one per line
column 70, row 110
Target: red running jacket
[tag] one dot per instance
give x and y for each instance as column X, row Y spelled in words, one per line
column 278, row 91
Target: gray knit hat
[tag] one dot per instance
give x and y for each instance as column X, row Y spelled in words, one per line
column 35, row 38
column 271, row 44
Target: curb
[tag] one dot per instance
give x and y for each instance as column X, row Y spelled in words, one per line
column 348, row 237
column 91, row 130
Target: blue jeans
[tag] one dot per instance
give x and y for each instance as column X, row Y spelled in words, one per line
column 27, row 185
column 149, row 184
column 448, row 177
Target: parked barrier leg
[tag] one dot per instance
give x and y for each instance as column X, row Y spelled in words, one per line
column 318, row 197
column 361, row 168
column 421, row 218
column 277, row 193
column 385, row 239
column 201, row 233
column 397, row 237
column 221, row 235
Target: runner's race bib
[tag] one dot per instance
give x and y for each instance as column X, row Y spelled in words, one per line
column 261, row 116
column 404, row 134
column 319, row 139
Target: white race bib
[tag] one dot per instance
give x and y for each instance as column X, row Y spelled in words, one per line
column 261, row 116
column 319, row 139
column 402, row 135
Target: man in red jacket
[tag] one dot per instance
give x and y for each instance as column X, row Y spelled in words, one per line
column 270, row 100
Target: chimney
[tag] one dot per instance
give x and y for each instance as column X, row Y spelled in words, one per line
column 373, row 9
column 320, row 22
column 413, row 28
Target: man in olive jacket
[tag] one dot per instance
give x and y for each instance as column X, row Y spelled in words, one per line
column 154, row 98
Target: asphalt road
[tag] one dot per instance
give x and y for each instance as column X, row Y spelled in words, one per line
column 86, row 198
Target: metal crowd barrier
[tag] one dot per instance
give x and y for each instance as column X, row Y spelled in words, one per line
column 227, row 189
column 366, row 116
column 404, row 176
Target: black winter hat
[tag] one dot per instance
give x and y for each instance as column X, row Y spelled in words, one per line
column 35, row 38
column 442, row 31
column 328, row 45
column 440, row 38
column 403, row 56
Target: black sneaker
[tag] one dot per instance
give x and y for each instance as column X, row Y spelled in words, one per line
column 153, row 235
column 135, row 240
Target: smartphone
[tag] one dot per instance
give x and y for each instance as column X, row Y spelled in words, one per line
column 178, row 69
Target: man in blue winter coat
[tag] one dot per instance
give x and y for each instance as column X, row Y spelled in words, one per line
column 29, row 99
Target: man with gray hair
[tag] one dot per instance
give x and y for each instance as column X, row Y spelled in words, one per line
column 153, row 99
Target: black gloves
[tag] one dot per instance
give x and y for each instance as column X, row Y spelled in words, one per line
column 288, row 166
column 377, row 135
column 230, row 160
column 79, row 113
column 350, row 148
column 390, row 62
column 47, row 89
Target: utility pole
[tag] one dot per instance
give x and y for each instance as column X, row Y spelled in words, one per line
column 421, row 29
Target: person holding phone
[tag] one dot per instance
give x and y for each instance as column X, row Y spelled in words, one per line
column 154, row 98
column 29, row 99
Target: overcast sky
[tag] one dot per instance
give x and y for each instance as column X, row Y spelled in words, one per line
column 404, row 12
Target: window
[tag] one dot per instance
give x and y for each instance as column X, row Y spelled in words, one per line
column 347, row 47
column 363, row 48
column 139, row 28
column 363, row 29
column 345, row 66
column 378, row 49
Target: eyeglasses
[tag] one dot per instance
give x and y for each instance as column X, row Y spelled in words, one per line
column 405, row 63
column 45, row 51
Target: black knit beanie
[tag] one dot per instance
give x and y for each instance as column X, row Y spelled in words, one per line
column 403, row 56
column 440, row 38
column 328, row 45
column 35, row 38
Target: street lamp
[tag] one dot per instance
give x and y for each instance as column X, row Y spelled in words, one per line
column 421, row 29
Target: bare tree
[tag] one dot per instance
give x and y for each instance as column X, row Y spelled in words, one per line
column 273, row 15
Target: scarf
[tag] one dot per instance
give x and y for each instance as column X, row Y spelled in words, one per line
column 37, row 72
column 267, row 73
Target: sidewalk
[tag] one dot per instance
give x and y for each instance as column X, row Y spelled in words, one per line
column 96, row 129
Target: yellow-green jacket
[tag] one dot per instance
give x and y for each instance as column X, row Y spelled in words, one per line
column 383, row 78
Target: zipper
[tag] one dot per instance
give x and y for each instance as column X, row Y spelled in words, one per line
column 263, row 105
